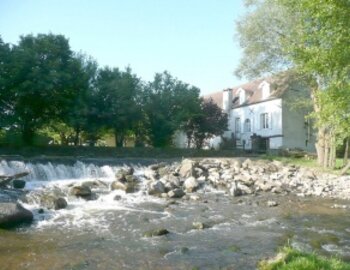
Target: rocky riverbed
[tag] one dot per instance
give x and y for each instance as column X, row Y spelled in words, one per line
column 210, row 214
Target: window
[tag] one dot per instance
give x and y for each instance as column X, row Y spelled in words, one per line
column 247, row 125
column 238, row 125
column 264, row 120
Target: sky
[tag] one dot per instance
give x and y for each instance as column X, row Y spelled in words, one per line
column 192, row 39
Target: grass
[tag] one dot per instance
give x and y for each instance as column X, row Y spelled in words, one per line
column 291, row 259
column 306, row 162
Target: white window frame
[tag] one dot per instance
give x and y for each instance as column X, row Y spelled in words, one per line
column 247, row 125
column 264, row 121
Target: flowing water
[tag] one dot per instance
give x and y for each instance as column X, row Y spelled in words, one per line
column 108, row 233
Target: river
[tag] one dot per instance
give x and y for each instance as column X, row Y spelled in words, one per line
column 108, row 233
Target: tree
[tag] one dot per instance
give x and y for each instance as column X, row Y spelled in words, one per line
column 309, row 36
column 210, row 122
column 167, row 104
column 82, row 105
column 5, row 102
column 41, row 82
column 116, row 100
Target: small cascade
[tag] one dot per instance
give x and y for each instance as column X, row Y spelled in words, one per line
column 51, row 171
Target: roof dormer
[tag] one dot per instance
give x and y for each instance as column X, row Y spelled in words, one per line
column 265, row 90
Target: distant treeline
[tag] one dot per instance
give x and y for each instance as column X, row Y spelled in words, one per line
column 47, row 89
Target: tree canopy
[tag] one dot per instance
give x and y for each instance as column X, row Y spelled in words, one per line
column 312, row 38
column 46, row 88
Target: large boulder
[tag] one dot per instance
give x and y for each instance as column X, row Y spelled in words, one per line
column 128, row 187
column 176, row 193
column 82, row 191
column 187, row 168
column 13, row 214
column 18, row 183
column 191, row 184
column 156, row 188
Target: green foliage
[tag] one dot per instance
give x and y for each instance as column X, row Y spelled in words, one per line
column 312, row 37
column 116, row 93
column 41, row 75
column 167, row 104
column 291, row 259
column 46, row 89
column 210, row 121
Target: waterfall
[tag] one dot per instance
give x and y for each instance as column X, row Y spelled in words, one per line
column 50, row 171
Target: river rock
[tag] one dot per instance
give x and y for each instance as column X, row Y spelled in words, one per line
column 191, row 184
column 156, row 232
column 128, row 187
column 176, row 193
column 81, row 191
column 187, row 168
column 234, row 190
column 13, row 214
column 50, row 201
column 60, row 203
column 247, row 163
column 156, row 188
column 19, row 184
column 200, row 225
column 272, row 203
column 123, row 173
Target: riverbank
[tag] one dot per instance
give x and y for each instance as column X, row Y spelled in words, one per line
column 292, row 259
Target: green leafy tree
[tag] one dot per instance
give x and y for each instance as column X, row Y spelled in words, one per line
column 6, row 106
column 41, row 87
column 81, row 109
column 309, row 36
column 116, row 101
column 211, row 121
column 167, row 104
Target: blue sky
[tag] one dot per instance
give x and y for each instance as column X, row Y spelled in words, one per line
column 193, row 39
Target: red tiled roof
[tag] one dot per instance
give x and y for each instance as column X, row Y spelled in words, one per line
column 253, row 92
column 217, row 98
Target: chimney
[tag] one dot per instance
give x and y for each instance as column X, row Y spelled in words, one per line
column 227, row 100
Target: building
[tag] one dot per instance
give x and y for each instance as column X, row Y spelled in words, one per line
column 263, row 115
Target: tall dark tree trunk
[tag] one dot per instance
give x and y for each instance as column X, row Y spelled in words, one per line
column 76, row 136
column 119, row 139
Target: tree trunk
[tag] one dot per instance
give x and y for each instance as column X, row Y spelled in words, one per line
column 333, row 151
column 345, row 169
column 321, row 132
column 76, row 136
column 326, row 152
column 119, row 139
column 346, row 152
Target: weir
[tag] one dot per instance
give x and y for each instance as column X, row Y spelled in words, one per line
column 48, row 171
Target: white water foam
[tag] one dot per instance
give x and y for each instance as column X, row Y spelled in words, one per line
column 80, row 213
